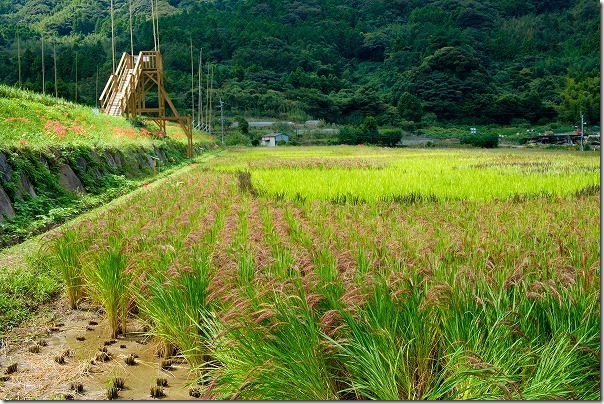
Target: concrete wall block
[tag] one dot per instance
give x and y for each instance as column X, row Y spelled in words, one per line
column 110, row 160
column 6, row 208
column 68, row 179
column 24, row 186
column 5, row 168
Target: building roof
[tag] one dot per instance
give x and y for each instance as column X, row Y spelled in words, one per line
column 275, row 135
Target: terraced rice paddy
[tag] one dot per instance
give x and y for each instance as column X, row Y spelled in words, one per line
column 359, row 273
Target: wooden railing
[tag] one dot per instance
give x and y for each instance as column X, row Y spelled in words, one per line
column 113, row 83
column 150, row 59
column 132, row 83
column 133, row 66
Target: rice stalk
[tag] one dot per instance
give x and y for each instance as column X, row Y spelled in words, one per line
column 66, row 252
column 176, row 305
column 281, row 361
column 108, row 282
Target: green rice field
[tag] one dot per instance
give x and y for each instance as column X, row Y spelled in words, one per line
column 359, row 273
column 371, row 174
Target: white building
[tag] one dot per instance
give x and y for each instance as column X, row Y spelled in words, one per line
column 272, row 138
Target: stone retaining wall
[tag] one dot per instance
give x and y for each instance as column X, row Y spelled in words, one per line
column 25, row 173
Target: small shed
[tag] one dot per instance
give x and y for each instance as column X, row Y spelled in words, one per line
column 272, row 138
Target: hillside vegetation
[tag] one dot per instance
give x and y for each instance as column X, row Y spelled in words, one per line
column 406, row 62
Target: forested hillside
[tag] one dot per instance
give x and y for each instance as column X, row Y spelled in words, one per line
column 404, row 62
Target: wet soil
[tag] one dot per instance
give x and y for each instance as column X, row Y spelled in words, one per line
column 74, row 335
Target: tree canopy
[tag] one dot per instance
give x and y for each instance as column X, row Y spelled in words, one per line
column 459, row 61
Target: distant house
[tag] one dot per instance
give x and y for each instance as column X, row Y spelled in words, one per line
column 272, row 138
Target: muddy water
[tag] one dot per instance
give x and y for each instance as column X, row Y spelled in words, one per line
column 75, row 336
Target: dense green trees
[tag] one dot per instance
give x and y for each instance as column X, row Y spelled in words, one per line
column 404, row 62
column 581, row 96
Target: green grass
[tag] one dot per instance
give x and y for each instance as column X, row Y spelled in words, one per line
column 35, row 120
column 177, row 306
column 25, row 284
column 67, row 257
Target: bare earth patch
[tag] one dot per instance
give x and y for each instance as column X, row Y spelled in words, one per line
column 80, row 337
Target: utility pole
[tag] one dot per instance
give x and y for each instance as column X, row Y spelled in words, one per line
column 582, row 125
column 222, row 119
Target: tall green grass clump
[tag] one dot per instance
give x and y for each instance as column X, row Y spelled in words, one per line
column 279, row 355
column 66, row 255
column 519, row 344
column 177, row 309
column 108, row 281
column 389, row 347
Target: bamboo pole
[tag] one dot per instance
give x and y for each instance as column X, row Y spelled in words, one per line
column 192, row 83
column 131, row 36
column 211, row 96
column 96, row 97
column 157, row 22
column 199, row 85
column 19, row 57
column 153, row 25
column 207, row 121
column 76, row 78
column 54, row 58
column 112, row 38
column 43, row 78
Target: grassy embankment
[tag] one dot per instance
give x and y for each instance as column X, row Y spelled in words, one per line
column 42, row 121
column 37, row 134
column 280, row 290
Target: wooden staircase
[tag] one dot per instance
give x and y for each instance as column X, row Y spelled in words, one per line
column 126, row 91
column 114, row 106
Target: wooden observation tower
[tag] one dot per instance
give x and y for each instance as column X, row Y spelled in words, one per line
column 126, row 90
